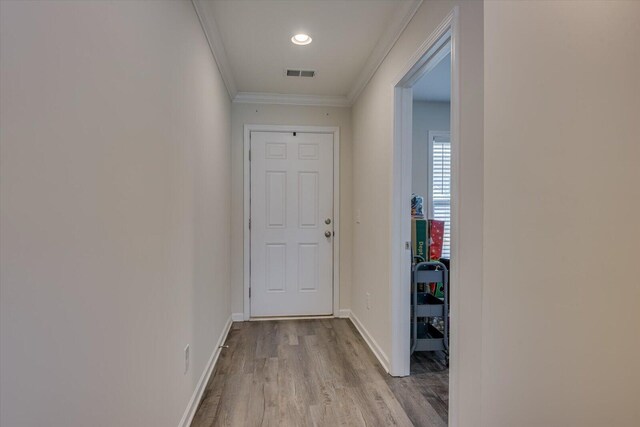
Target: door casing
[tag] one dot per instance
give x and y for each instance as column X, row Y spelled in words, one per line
column 423, row 59
column 248, row 128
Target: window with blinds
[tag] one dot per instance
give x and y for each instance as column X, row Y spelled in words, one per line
column 440, row 185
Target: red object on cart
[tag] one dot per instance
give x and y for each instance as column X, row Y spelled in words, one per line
column 436, row 236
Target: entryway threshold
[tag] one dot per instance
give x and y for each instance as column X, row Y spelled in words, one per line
column 264, row 318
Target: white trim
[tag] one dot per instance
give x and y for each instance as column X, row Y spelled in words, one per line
column 212, row 34
column 246, row 244
column 336, row 220
column 291, row 99
column 384, row 46
column 344, row 313
column 400, row 276
column 248, row 128
column 454, row 273
column 430, row 52
column 427, row 56
column 237, row 317
column 368, row 338
column 187, row 417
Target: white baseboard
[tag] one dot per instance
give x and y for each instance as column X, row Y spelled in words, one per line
column 373, row 345
column 189, row 413
column 344, row 313
column 237, row 317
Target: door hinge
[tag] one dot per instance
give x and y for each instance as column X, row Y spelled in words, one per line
column 249, row 155
column 249, row 223
column 249, row 292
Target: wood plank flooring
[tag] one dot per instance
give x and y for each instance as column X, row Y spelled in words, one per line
column 316, row 373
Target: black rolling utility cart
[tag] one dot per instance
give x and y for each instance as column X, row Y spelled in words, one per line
column 429, row 313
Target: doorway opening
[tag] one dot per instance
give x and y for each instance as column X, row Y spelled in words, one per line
column 424, row 212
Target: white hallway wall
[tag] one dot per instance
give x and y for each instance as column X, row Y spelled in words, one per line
column 562, row 214
column 242, row 114
column 532, row 376
column 559, row 343
column 114, row 216
column 372, row 116
column 427, row 116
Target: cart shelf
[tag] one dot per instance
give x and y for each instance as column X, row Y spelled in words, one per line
column 425, row 337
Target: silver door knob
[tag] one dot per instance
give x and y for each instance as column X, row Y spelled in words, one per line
column 327, row 221
column 327, row 233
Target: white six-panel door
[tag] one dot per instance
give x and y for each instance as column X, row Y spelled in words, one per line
column 291, row 224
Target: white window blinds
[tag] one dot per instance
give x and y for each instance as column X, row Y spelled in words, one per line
column 441, row 184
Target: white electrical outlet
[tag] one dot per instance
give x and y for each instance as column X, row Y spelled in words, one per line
column 186, row 359
column 368, row 301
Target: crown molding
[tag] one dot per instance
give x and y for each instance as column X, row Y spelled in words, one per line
column 383, row 47
column 291, row 99
column 212, row 34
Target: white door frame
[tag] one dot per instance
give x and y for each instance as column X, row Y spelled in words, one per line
column 422, row 61
column 247, row 204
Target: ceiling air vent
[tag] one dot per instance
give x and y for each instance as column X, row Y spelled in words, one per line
column 300, row 73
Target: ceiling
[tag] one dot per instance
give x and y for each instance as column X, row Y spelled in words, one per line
column 251, row 40
column 435, row 86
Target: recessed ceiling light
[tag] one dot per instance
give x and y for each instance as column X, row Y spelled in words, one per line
column 301, row 39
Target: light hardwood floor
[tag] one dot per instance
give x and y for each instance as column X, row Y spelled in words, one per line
column 316, row 373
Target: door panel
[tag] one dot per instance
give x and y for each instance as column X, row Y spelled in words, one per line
column 276, row 199
column 275, row 267
column 291, row 198
column 308, row 260
column 308, row 199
